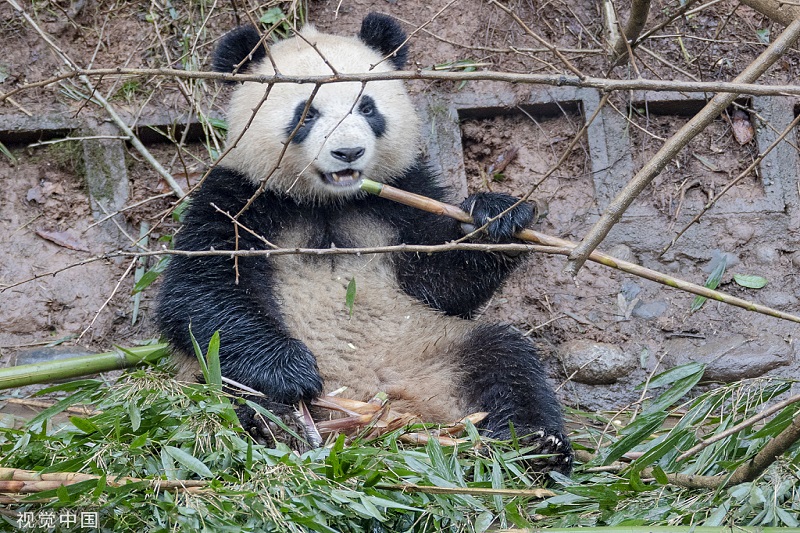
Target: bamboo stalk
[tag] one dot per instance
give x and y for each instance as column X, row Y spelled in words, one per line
column 15, row 480
column 471, row 491
column 440, row 208
column 19, row 376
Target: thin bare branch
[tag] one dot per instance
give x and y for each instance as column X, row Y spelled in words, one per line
column 746, row 172
column 558, row 80
column 567, row 63
column 126, row 131
column 738, row 427
column 670, row 149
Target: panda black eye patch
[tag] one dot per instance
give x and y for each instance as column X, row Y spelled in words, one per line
column 368, row 110
column 308, row 123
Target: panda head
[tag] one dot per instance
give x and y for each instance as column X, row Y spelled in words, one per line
column 350, row 130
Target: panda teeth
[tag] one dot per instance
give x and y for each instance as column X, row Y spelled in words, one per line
column 345, row 176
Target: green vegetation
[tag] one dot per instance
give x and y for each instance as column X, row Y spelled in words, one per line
column 150, row 427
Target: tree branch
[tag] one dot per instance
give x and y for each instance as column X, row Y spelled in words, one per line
column 632, row 29
column 558, row 80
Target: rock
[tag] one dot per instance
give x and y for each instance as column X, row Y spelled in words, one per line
column 622, row 252
column 716, row 257
column 595, row 363
column 731, row 357
column 630, row 290
column 796, row 259
column 650, row 310
column 767, row 253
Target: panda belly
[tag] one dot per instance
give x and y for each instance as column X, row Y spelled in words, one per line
column 392, row 343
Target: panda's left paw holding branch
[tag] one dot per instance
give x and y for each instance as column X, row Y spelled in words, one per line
column 485, row 206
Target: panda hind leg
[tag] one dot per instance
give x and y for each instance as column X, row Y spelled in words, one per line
column 503, row 375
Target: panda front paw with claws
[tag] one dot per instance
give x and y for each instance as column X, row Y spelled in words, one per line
column 502, row 215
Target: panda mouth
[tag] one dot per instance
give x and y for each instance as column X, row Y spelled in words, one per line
column 342, row 178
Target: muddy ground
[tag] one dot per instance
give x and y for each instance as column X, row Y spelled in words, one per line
column 58, row 295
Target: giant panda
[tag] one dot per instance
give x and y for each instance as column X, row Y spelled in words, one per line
column 285, row 328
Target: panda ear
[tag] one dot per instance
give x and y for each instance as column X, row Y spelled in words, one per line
column 384, row 34
column 241, row 45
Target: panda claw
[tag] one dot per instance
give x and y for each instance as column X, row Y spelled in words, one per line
column 266, row 432
column 485, row 206
column 553, row 444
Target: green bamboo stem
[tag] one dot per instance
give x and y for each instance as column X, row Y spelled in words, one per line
column 434, row 206
column 48, row 372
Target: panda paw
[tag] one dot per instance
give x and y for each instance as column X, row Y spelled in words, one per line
column 289, row 375
column 267, row 432
column 486, row 205
column 553, row 444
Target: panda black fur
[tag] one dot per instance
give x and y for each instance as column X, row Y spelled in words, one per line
column 284, row 326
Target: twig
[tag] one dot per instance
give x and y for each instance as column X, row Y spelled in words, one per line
column 433, row 206
column 39, row 404
column 738, row 427
column 558, row 80
column 547, row 244
column 567, row 63
column 771, row 451
column 472, row 491
column 781, row 11
column 740, row 177
column 110, row 296
column 685, row 6
column 86, row 138
column 427, row 249
column 670, row 149
column 748, row 471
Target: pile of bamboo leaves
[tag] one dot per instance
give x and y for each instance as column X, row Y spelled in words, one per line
column 152, row 454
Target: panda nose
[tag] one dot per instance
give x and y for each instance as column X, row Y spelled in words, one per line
column 348, row 155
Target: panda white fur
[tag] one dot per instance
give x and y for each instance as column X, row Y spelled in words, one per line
column 285, row 328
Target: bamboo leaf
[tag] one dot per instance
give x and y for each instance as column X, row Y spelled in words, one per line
column 201, row 360
column 151, row 275
column 678, row 390
column 674, row 374
column 6, row 152
column 711, row 283
column 750, row 281
column 213, row 362
column 350, row 296
column 189, row 461
column 634, row 434
column 135, row 415
column 84, row 424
